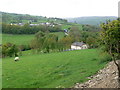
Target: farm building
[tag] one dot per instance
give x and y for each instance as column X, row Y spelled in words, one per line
column 78, row 46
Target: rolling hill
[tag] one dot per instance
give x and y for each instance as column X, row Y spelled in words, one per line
column 25, row 18
column 91, row 20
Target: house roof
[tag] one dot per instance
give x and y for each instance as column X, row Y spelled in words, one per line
column 78, row 43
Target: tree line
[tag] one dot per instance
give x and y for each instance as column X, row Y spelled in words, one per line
column 27, row 29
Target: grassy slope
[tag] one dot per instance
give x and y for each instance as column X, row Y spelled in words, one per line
column 50, row 70
column 22, row 39
column 17, row 39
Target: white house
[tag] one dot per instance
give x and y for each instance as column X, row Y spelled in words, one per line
column 78, row 46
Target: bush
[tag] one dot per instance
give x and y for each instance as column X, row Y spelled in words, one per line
column 105, row 57
column 24, row 47
column 9, row 49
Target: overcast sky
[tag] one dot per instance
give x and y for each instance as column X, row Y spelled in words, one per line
column 61, row 8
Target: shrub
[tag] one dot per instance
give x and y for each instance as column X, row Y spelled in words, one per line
column 105, row 57
column 9, row 49
column 24, row 47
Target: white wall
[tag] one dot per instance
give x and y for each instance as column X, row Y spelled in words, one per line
column 75, row 47
column 84, row 47
column 78, row 47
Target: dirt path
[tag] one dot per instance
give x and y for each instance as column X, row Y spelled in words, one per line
column 105, row 78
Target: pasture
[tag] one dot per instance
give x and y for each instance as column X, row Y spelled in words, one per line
column 17, row 39
column 53, row 70
column 23, row 39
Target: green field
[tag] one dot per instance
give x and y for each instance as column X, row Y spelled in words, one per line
column 66, row 26
column 62, row 69
column 17, row 39
column 23, row 39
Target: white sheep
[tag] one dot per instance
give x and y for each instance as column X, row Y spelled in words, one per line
column 16, row 59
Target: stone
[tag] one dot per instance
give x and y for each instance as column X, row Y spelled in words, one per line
column 105, row 78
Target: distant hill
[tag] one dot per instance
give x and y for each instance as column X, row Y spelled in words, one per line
column 25, row 18
column 92, row 20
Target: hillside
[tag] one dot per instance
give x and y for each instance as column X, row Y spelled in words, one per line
column 93, row 20
column 26, row 18
column 53, row 70
column 22, row 19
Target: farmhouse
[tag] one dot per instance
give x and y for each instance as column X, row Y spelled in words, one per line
column 78, row 46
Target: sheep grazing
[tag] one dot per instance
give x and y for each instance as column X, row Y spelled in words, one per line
column 16, row 59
